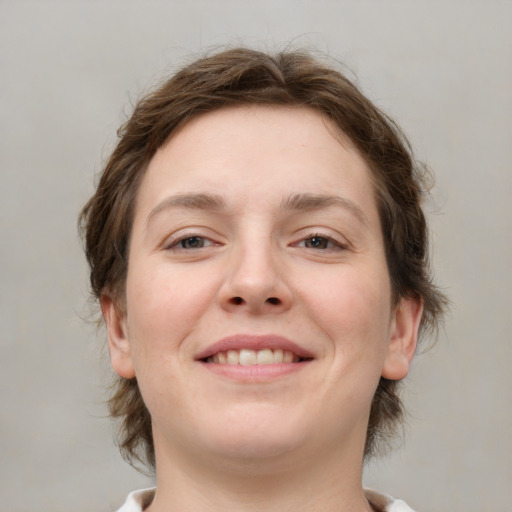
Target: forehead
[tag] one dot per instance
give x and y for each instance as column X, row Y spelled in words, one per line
column 258, row 152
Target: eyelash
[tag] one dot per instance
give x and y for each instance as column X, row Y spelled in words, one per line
column 207, row 242
column 175, row 244
column 335, row 244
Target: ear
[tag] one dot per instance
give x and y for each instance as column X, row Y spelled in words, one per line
column 403, row 338
column 118, row 343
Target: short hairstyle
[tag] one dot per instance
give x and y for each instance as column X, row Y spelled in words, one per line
column 243, row 76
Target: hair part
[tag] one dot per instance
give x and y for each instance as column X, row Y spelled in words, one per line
column 247, row 77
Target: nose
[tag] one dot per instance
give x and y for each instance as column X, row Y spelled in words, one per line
column 256, row 281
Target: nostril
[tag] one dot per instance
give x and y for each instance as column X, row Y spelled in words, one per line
column 238, row 301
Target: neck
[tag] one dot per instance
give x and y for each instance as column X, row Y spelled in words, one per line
column 330, row 482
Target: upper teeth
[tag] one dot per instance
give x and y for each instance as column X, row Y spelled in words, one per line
column 248, row 357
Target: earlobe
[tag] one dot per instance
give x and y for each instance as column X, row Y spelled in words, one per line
column 118, row 343
column 403, row 338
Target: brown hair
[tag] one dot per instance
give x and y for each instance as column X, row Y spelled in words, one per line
column 243, row 76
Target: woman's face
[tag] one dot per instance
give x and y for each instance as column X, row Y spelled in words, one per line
column 258, row 317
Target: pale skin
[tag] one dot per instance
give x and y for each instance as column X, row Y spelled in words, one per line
column 258, row 226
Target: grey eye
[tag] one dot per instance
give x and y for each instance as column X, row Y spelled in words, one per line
column 317, row 242
column 193, row 242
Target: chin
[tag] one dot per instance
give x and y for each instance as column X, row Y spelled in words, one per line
column 256, row 436
column 247, row 446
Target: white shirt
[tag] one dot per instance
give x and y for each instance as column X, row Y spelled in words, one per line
column 137, row 501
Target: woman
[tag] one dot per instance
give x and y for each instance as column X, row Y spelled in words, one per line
column 259, row 251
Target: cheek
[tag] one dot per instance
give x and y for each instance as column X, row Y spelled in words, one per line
column 163, row 307
column 353, row 307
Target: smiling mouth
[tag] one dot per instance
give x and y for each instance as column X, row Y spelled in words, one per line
column 248, row 357
column 254, row 356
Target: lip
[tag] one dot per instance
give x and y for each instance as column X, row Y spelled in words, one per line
column 254, row 342
column 256, row 373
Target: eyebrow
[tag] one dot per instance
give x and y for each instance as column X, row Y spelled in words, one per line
column 210, row 202
column 308, row 202
column 295, row 202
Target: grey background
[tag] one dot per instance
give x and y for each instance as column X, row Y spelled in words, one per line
column 69, row 72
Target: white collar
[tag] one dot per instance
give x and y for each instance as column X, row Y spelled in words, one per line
column 137, row 501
